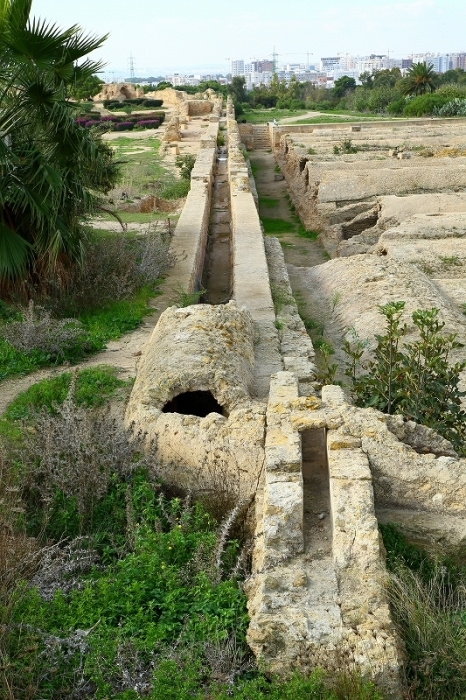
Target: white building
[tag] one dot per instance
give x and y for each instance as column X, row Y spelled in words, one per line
column 237, row 68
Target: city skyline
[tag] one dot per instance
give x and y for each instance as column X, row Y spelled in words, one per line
column 199, row 39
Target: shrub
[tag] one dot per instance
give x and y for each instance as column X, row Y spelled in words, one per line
column 176, row 190
column 82, row 121
column 148, row 124
column 416, row 379
column 397, row 106
column 115, row 267
column 424, row 104
column 91, row 123
column 152, row 103
column 124, row 126
column 454, row 108
column 72, row 453
column 109, row 118
column 185, row 164
column 39, row 331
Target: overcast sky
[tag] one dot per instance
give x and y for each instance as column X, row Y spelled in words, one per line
column 201, row 35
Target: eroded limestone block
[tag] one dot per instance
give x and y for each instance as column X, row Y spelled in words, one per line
column 191, row 398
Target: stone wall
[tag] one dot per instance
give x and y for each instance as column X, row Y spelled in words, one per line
column 251, row 286
column 189, row 238
column 342, row 193
column 118, row 91
column 324, row 612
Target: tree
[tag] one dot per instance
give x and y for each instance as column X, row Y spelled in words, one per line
column 86, row 88
column 237, row 89
column 51, row 170
column 366, row 79
column 419, row 80
column 344, row 85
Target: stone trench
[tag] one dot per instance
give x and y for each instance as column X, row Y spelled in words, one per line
column 225, row 394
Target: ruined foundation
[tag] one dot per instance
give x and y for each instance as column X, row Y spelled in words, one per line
column 228, row 391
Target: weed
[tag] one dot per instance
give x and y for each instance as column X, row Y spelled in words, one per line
column 281, row 297
column 451, row 261
column 220, row 139
column 185, row 164
column 311, row 151
column 38, row 331
column 310, row 235
column 277, row 169
column 336, row 298
column 346, row 146
column 183, row 298
column 175, row 190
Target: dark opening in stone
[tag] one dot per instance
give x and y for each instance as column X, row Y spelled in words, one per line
column 194, row 403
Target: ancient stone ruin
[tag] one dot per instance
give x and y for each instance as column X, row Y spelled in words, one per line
column 118, row 91
column 227, row 391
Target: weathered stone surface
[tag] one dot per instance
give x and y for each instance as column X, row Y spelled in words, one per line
column 201, row 348
column 118, row 91
column 172, row 130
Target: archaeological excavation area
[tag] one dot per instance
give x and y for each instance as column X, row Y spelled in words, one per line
column 227, row 389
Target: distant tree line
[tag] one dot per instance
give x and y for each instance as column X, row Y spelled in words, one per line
column 420, row 91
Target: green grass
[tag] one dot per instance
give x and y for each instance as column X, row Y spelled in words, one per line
column 130, row 217
column 310, row 235
column 268, row 202
column 277, row 226
column 101, row 325
column 117, row 318
column 331, row 117
column 262, row 116
column 94, row 386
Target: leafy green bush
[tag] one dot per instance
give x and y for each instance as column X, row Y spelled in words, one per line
column 424, row 104
column 185, row 164
column 397, row 106
column 454, row 108
column 176, row 189
column 416, row 379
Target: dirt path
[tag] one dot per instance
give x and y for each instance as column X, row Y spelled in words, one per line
column 123, row 354
column 273, row 204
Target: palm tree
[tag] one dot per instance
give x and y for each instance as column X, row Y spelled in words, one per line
column 420, row 79
column 51, row 171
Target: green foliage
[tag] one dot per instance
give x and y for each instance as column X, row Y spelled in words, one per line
column 182, row 298
column 277, row 226
column 51, row 171
column 428, row 602
column 343, row 85
column 420, row 79
column 345, row 147
column 84, row 88
column 163, row 591
column 454, row 108
column 185, row 164
column 424, row 104
column 416, row 379
column 176, row 189
column 100, row 325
